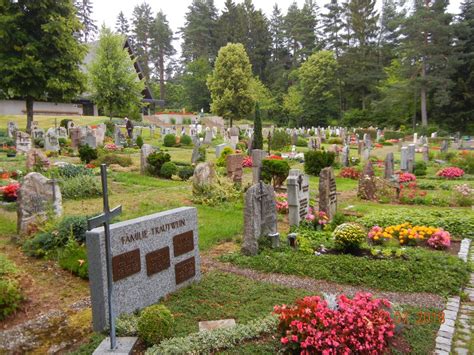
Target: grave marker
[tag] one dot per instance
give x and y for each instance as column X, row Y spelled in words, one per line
column 298, row 196
column 234, row 167
column 327, row 192
column 257, row 162
column 389, row 166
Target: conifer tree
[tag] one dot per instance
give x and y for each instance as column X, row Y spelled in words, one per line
column 121, row 25
column 84, row 13
column 141, row 34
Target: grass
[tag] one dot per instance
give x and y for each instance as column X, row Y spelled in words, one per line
column 424, row 271
column 48, row 121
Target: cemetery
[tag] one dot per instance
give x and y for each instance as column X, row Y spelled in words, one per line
column 296, row 181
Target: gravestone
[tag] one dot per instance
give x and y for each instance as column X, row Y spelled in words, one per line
column 411, row 157
column 99, row 133
column 426, row 153
column 36, row 197
column 37, row 133
column 204, row 175
column 220, row 148
column 260, row 216
column 366, row 153
column 379, row 135
column 145, row 151
column 119, row 138
column 367, row 188
column 415, row 138
column 51, row 142
column 61, row 132
column 70, row 125
column 345, row 156
column 404, row 159
column 90, row 139
column 294, row 138
column 298, row 196
column 208, row 137
column 12, row 128
column 36, row 157
column 360, row 147
column 318, row 142
column 257, row 162
column 77, row 136
column 444, row 146
column 23, row 142
column 234, row 167
column 196, row 155
column 327, row 192
column 389, row 166
column 152, row 256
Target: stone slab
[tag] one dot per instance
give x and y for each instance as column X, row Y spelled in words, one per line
column 124, row 346
column 216, row 324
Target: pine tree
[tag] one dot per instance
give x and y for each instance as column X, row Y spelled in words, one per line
column 333, row 25
column 257, row 129
column 308, row 29
column 121, row 25
column 277, row 33
column 161, row 48
column 141, row 34
column 390, row 34
column 84, row 13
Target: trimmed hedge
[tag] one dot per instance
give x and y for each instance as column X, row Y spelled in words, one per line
column 317, row 160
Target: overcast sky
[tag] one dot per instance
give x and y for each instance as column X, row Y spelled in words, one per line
column 106, row 11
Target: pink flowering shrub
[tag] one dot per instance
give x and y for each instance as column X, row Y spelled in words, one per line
column 282, row 203
column 111, row 147
column 247, row 162
column 406, row 177
column 361, row 325
column 317, row 217
column 450, row 173
column 441, row 239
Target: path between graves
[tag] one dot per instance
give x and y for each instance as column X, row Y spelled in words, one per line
column 308, row 284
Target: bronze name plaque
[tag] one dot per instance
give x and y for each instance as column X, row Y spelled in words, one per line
column 157, row 261
column 126, row 264
column 183, row 243
column 185, row 270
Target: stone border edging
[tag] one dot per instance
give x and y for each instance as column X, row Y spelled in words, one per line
column 444, row 338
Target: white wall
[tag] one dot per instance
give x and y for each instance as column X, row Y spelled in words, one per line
column 17, row 107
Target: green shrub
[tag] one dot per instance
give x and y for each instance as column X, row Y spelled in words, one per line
column 393, row 135
column 155, row 324
column 156, row 160
column 82, row 186
column 274, row 170
column 426, row 185
column 186, row 172
column 74, row 258
column 420, row 168
column 316, row 160
column 301, row 142
column 64, row 122
column 63, row 142
column 202, row 154
column 73, row 225
column 335, row 140
column 111, row 158
column 280, row 140
column 465, row 161
column 186, row 140
column 169, row 140
column 10, row 291
column 222, row 190
column 39, row 142
column 139, row 141
column 40, row 244
column 222, row 161
column 87, row 153
column 109, row 128
column 71, row 170
column 168, row 169
column 349, row 236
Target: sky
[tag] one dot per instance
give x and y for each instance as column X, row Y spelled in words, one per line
column 106, row 11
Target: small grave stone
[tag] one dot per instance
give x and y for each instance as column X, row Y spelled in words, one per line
column 204, row 174
column 294, row 138
column 411, row 157
column 260, row 216
column 360, row 147
column 37, row 133
column 208, row 137
column 298, row 196
column 220, row 148
column 234, row 167
column 36, row 196
column 77, row 136
column 119, row 138
column 70, row 125
column 99, row 133
column 196, row 155
column 145, row 151
column 152, row 256
column 444, row 146
column 23, row 142
column 366, row 154
column 345, row 156
column 12, row 128
column 318, row 142
column 216, row 324
column 426, row 153
column 36, row 157
column 415, row 138
column 389, row 166
column 257, row 161
column 367, row 189
column 90, row 139
column 51, row 142
column 61, row 132
column 404, row 159
column 327, row 192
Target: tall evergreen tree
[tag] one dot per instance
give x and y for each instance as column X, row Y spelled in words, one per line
column 141, row 34
column 161, row 48
column 194, row 83
column 84, row 13
column 277, row 33
column 121, row 25
column 333, row 25
column 257, row 129
column 390, row 34
column 199, row 32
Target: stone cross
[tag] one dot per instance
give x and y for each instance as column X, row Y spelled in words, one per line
column 104, row 219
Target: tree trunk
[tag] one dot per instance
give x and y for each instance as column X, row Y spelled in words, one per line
column 162, row 76
column 424, row 114
column 29, row 113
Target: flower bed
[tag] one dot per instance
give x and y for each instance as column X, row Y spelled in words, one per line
column 358, row 325
column 450, row 173
column 10, row 192
column 350, row 173
column 282, row 203
column 405, row 177
column 247, row 162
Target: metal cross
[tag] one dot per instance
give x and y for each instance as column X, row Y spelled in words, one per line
column 104, row 220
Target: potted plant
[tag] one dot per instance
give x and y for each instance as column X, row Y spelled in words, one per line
column 11, row 152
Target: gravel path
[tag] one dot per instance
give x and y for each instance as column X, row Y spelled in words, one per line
column 305, row 283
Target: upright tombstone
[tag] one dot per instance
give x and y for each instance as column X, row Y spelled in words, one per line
column 36, row 157
column 404, row 159
column 367, row 188
column 360, row 147
column 151, row 256
column 411, row 157
column 37, row 133
column 70, row 125
column 426, row 153
column 61, row 132
column 208, row 136
column 234, row 167
column 298, row 196
column 90, row 139
column 260, row 216
column 379, row 135
column 99, row 133
column 23, row 142
column 444, row 146
column 345, row 159
column 196, row 155
column 204, row 175
column 12, row 128
column 257, row 162
column 327, row 192
column 77, row 137
column 145, row 151
column 415, row 138
column 389, row 166
column 36, row 197
column 318, row 142
column 119, row 138
column 220, row 148
column 294, row 138
column 51, row 142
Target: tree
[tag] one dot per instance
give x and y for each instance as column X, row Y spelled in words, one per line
column 292, row 105
column 229, row 83
column 199, row 32
column 39, row 56
column 121, row 25
column 142, row 28
column 84, row 13
column 114, row 83
column 161, row 47
column 263, row 96
column 390, row 34
column 257, row 129
column 194, row 83
column 333, row 24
